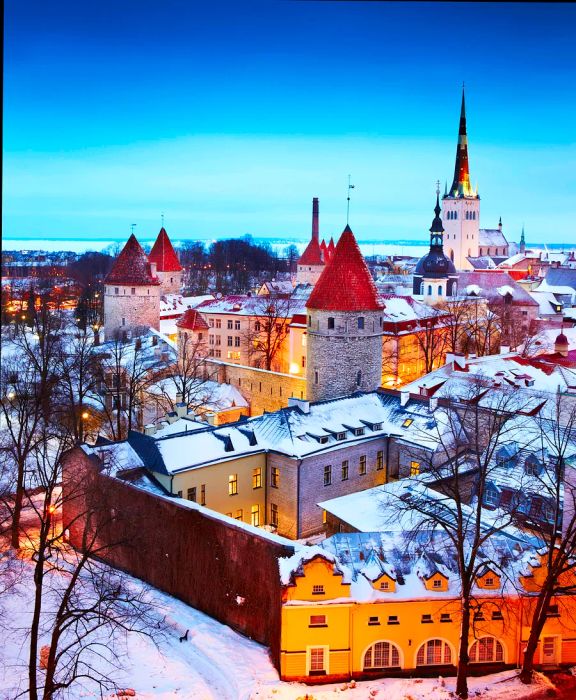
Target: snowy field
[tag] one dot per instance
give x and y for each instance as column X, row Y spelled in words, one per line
column 215, row 663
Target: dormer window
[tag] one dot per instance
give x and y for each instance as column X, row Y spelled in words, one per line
column 323, row 439
column 358, row 431
column 408, row 422
column 340, row 436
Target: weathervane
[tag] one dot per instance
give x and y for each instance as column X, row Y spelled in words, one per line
column 350, row 187
column 132, row 226
column 162, row 217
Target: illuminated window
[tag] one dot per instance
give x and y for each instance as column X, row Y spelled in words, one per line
column 362, row 465
column 257, row 478
column 381, row 655
column 255, row 516
column 274, row 514
column 380, row 459
column 408, row 422
column 239, row 514
column 435, row 652
column 414, row 468
column 327, row 475
column 233, row 484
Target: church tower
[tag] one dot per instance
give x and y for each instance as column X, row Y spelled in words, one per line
column 522, row 242
column 344, row 326
column 461, row 206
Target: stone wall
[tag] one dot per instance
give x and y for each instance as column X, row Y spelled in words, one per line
column 170, row 282
column 206, row 560
column 133, row 308
column 345, row 358
column 263, row 389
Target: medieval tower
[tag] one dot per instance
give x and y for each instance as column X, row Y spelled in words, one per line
column 313, row 259
column 168, row 266
column 344, row 326
column 461, row 206
column 131, row 293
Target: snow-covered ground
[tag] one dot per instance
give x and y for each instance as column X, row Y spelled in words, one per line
column 216, row 663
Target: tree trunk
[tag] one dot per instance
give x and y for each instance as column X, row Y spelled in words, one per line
column 463, row 658
column 538, row 620
column 35, row 624
column 17, row 513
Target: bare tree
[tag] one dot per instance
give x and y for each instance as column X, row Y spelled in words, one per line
column 555, row 483
column 467, row 435
column 432, row 338
column 268, row 331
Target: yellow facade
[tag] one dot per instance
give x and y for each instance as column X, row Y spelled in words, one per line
column 328, row 636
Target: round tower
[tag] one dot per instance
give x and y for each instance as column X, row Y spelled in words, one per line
column 168, row 266
column 435, row 275
column 131, row 293
column 344, row 326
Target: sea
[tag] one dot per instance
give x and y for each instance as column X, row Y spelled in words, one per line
column 412, row 248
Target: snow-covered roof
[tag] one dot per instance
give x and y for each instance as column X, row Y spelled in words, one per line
column 175, row 304
column 492, row 237
column 253, row 305
column 513, row 260
column 547, row 302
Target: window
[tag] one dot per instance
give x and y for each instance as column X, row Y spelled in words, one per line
column 381, row 655
column 315, row 376
column 358, row 431
column 133, row 290
column 384, row 585
column 179, row 494
column 327, row 475
column 234, row 355
column 317, row 621
column 486, row 650
column 255, row 515
column 211, row 322
column 257, row 478
column 229, row 324
column 362, row 465
column 237, row 341
column 374, row 620
column 211, row 340
column 489, row 581
column 380, row 459
column 318, row 589
column 497, row 615
column 217, row 353
column 445, row 617
column 491, row 497
column 203, row 495
column 237, row 324
column 218, row 323
column 317, row 661
column 360, row 323
column 309, row 321
column 345, row 470
column 233, row 484
column 229, row 514
column 393, row 620
column 426, row 619
column 479, row 616
column 552, row 611
column 239, row 514
column 303, row 361
column 439, row 290
column 275, row 477
column 123, row 321
column 330, row 323
column 191, row 494
column 340, row 436
column 257, row 326
column 434, row 652
column 116, row 290
column 274, row 514
column 414, row 468
column 408, row 422
column 230, row 341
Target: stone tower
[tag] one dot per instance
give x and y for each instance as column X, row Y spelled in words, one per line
column 344, row 326
column 461, row 206
column 131, row 293
column 168, row 266
column 435, row 275
column 313, row 259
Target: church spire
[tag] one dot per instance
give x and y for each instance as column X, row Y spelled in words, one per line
column 522, row 242
column 437, row 228
column 461, row 184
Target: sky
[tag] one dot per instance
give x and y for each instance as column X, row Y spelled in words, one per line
column 229, row 117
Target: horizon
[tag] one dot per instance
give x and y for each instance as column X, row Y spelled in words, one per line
column 230, row 120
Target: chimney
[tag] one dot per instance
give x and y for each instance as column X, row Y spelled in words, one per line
column 500, row 224
column 150, row 429
column 181, row 409
column 302, row 404
column 433, row 404
column 315, row 220
column 210, row 418
column 404, row 397
column 179, row 397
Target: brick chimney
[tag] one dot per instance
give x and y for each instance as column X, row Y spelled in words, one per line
column 315, row 219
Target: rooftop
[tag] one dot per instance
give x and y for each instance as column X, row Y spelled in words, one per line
column 132, row 267
column 164, row 255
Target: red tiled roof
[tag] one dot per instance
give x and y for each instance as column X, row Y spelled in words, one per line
column 192, row 320
column 132, row 266
column 331, row 248
column 164, row 255
column 345, row 283
column 312, row 255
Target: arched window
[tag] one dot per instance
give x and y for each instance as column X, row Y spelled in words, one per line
column 439, row 290
column 454, row 288
column 381, row 655
column 422, row 288
column 434, row 652
column 486, row 650
column 429, row 290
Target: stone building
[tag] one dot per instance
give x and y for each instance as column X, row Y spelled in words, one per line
column 168, row 266
column 344, row 326
column 131, row 293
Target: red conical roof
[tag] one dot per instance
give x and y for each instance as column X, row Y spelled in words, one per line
column 331, row 248
column 164, row 255
column 132, row 267
column 345, row 283
column 192, row 320
column 312, row 255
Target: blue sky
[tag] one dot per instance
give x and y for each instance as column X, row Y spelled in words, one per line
column 230, row 116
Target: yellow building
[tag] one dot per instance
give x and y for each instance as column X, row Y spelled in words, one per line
column 340, row 623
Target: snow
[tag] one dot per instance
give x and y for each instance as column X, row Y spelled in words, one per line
column 505, row 289
column 473, row 289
